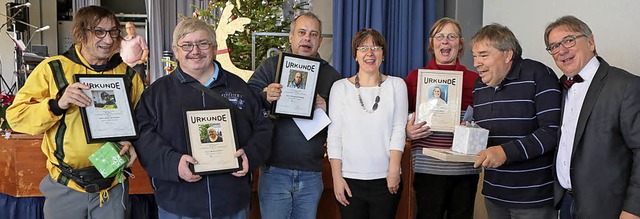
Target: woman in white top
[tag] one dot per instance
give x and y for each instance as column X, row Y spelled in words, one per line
column 367, row 134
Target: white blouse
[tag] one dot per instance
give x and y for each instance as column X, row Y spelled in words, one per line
column 363, row 140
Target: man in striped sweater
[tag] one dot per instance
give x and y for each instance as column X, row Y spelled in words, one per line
column 518, row 101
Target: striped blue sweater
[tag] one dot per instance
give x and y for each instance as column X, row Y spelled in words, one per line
column 522, row 115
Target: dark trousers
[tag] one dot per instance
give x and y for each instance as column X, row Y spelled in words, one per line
column 440, row 195
column 371, row 199
column 567, row 206
column 497, row 211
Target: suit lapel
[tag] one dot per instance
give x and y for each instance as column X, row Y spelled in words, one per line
column 590, row 101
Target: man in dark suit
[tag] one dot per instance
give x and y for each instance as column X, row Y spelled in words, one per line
column 598, row 157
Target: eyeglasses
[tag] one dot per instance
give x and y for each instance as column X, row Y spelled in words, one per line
column 567, row 42
column 372, row 48
column 449, row 37
column 115, row 33
column 187, row 47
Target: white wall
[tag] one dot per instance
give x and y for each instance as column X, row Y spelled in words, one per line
column 615, row 25
column 324, row 10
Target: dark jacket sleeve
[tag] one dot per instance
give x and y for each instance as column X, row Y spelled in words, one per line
column 547, row 101
column 629, row 120
column 261, row 78
column 258, row 147
column 156, row 155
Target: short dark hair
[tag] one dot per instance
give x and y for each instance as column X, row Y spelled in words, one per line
column 88, row 18
column 500, row 37
column 362, row 35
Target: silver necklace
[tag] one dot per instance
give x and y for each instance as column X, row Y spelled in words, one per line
column 377, row 100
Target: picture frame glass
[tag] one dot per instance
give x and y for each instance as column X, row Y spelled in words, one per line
column 438, row 99
column 109, row 116
column 212, row 141
column 298, row 76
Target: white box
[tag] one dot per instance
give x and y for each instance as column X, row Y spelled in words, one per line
column 469, row 140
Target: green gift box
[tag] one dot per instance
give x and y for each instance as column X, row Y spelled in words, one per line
column 108, row 161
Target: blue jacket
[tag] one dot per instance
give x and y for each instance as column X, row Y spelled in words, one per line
column 163, row 141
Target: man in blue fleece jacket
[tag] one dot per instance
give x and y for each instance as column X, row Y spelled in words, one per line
column 163, row 146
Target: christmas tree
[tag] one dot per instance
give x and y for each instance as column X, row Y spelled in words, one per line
column 266, row 16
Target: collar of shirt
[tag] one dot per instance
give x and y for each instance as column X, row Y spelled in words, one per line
column 186, row 78
column 589, row 71
column 514, row 73
column 213, row 78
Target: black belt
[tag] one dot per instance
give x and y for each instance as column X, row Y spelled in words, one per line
column 568, row 191
column 88, row 178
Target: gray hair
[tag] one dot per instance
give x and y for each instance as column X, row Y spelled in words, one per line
column 500, row 37
column 190, row 25
column 570, row 23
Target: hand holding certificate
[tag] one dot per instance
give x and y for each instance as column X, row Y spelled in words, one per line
column 438, row 99
column 109, row 115
column 298, row 76
column 211, row 141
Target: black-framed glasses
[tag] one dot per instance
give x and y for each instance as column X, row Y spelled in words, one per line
column 115, row 33
column 450, row 37
column 372, row 48
column 187, row 47
column 567, row 42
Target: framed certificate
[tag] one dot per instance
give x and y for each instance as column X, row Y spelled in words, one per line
column 109, row 117
column 211, row 140
column 298, row 76
column 438, row 99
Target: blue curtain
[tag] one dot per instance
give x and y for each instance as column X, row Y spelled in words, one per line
column 142, row 206
column 405, row 25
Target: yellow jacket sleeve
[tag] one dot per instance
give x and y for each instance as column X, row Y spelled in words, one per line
column 30, row 111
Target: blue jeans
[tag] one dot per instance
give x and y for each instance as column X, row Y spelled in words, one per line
column 242, row 214
column 286, row 193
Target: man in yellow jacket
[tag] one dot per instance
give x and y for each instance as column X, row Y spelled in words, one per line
column 50, row 103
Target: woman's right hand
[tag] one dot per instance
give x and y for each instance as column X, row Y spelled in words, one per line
column 339, row 188
column 416, row 131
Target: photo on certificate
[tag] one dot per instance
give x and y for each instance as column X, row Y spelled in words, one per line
column 211, row 141
column 109, row 117
column 438, row 99
column 298, row 76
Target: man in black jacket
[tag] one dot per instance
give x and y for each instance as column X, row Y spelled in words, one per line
column 598, row 161
column 163, row 142
column 291, row 182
